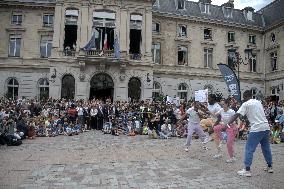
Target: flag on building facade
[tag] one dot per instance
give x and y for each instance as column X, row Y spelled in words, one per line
column 90, row 44
column 231, row 81
column 116, row 47
column 105, row 46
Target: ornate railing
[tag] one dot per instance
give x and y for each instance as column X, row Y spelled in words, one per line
column 99, row 53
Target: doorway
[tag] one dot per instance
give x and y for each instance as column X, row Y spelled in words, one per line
column 102, row 87
column 134, row 89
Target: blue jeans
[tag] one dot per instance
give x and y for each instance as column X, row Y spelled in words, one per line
column 254, row 138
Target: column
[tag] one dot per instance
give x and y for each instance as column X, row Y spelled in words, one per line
column 57, row 37
column 124, row 33
column 84, row 37
column 148, row 36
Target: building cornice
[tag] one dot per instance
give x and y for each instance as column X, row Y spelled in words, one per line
column 28, row 5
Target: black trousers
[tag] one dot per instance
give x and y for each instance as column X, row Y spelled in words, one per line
column 94, row 122
column 100, row 123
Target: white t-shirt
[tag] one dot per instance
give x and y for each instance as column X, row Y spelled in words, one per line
column 226, row 116
column 213, row 109
column 255, row 113
column 193, row 116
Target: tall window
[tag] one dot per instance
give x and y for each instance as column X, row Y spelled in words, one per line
column 135, row 36
column 182, row 55
column 273, row 57
column 15, row 46
column 182, row 91
column 249, row 15
column 180, row 4
column 157, row 90
column 252, row 39
column 231, row 58
column 156, row 52
column 253, row 93
column 205, row 8
column 275, row 91
column 156, row 27
column 208, row 57
column 231, row 36
column 272, row 37
column 252, row 63
column 182, row 31
column 45, row 46
column 12, row 88
column 68, row 87
column 47, row 19
column 228, row 12
column 43, row 87
column 208, row 34
column 70, row 38
column 17, row 18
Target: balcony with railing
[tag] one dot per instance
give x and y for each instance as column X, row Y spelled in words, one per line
column 99, row 53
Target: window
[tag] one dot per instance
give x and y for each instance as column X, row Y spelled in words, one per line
column 70, row 39
column 253, row 93
column 272, row 37
column 182, row 31
column 43, row 87
column 17, row 18
column 275, row 91
column 182, row 91
column 273, row 57
column 231, row 37
column 135, row 36
column 14, row 46
column 180, row 4
column 228, row 12
column 208, row 57
column 252, row 64
column 252, row 39
column 156, row 52
column 103, row 30
column 47, row 19
column 249, row 15
column 207, row 34
column 45, row 46
column 157, row 90
column 12, row 88
column 182, row 55
column 205, row 8
column 156, row 27
column 231, row 58
column 156, row 3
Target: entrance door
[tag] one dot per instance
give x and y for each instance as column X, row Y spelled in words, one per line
column 68, row 87
column 134, row 89
column 101, row 87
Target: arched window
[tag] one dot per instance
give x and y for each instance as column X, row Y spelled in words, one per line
column 43, row 88
column 68, row 87
column 12, row 88
column 134, row 89
column 182, row 91
column 157, row 90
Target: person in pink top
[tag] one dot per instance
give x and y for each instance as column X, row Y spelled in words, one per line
column 224, row 115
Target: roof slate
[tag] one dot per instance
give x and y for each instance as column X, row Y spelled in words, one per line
column 273, row 13
column 192, row 9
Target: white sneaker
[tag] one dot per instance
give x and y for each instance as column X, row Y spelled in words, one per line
column 206, row 140
column 217, row 156
column 244, row 173
column 269, row 169
column 186, row 149
column 231, row 160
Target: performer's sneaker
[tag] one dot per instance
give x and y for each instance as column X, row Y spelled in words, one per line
column 217, row 156
column 231, row 160
column 244, row 173
column 186, row 149
column 206, row 140
column 269, row 169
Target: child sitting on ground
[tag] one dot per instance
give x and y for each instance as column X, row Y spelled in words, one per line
column 275, row 133
column 166, row 130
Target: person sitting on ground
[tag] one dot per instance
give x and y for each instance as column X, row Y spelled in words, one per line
column 275, row 133
column 166, row 130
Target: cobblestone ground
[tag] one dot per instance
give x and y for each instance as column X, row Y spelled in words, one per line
column 94, row 160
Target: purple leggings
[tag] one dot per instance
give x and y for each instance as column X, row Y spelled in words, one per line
column 231, row 132
column 191, row 128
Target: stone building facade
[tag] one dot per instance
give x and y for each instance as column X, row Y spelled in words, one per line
column 69, row 49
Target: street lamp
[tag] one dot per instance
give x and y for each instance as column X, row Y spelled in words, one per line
column 237, row 60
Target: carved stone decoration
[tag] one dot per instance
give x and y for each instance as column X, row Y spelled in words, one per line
column 122, row 77
column 82, row 65
column 82, row 76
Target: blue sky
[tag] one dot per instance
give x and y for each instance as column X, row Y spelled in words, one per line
column 240, row 4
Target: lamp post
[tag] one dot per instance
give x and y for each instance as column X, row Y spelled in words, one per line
column 237, row 60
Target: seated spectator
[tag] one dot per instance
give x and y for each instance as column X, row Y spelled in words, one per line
column 166, row 130
column 275, row 133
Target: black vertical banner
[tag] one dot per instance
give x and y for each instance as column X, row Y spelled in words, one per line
column 231, row 81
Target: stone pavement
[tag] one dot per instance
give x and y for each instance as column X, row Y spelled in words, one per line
column 95, row 160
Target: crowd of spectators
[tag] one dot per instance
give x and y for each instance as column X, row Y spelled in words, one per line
column 27, row 119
